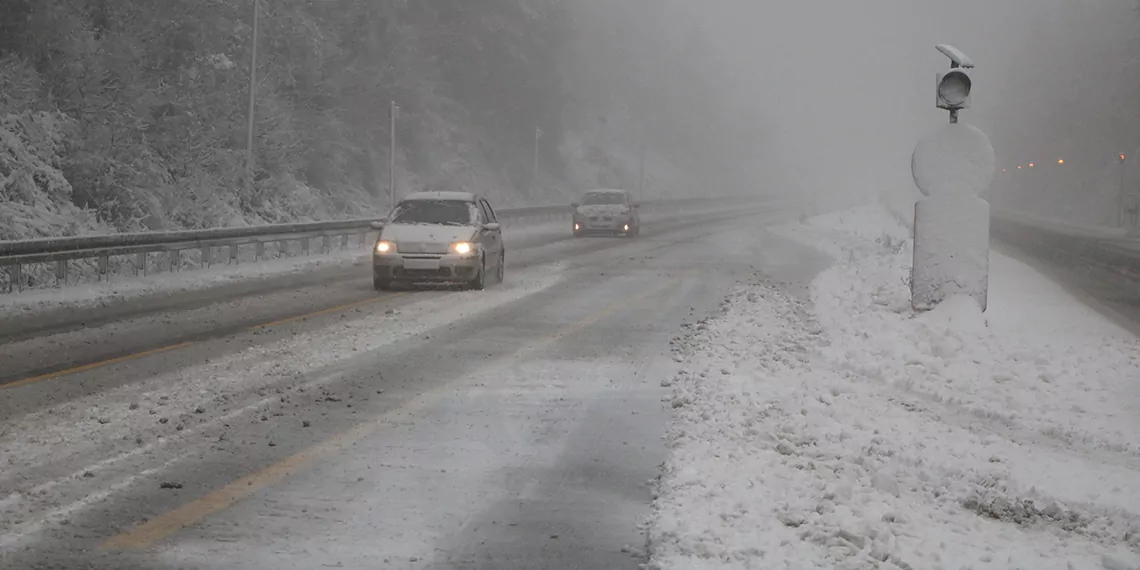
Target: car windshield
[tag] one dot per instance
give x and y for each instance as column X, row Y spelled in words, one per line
column 444, row 212
column 603, row 198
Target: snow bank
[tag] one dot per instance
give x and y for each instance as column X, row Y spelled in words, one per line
column 844, row 431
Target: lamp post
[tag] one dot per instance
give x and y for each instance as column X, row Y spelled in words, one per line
column 252, row 99
column 1120, row 193
column 534, row 171
column 393, row 112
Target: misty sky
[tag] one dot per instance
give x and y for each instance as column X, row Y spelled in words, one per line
column 848, row 85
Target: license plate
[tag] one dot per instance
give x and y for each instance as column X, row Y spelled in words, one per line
column 421, row 264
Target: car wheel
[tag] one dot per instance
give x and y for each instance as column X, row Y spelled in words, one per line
column 381, row 284
column 501, row 274
column 480, row 281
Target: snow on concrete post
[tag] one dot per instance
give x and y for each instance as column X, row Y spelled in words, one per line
column 953, row 167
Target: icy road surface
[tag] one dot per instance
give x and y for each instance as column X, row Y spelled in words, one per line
column 518, row 427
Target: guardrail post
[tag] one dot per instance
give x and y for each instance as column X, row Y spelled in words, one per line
column 207, row 254
column 233, row 254
column 140, row 263
column 325, row 247
column 103, row 262
column 282, row 248
column 344, row 241
column 175, row 263
column 61, row 272
column 305, row 245
column 17, row 278
column 259, row 251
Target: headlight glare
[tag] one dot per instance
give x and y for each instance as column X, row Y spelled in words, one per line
column 463, row 247
column 385, row 247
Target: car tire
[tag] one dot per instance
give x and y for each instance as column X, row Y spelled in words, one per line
column 381, row 284
column 501, row 273
column 480, row 281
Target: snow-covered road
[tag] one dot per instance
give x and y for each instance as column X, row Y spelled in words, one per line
column 836, row 429
column 514, row 428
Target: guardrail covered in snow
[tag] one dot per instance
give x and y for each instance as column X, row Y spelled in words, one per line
column 158, row 250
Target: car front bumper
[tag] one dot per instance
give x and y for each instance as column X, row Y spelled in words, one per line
column 612, row 226
column 425, row 268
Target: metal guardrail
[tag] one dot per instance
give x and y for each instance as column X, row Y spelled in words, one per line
column 223, row 244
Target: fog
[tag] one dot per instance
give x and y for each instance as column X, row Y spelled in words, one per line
column 673, row 97
column 847, row 88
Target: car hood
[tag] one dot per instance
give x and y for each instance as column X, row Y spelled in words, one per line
column 427, row 234
column 602, row 210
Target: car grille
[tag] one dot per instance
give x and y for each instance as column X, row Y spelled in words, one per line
column 422, row 247
column 601, row 218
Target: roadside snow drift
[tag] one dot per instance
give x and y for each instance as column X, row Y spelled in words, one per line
column 845, row 431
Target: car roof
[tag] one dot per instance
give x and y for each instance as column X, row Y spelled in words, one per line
column 459, row 196
column 606, row 191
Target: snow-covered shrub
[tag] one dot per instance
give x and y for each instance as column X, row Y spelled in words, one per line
column 35, row 197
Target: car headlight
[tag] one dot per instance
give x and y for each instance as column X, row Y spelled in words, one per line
column 463, row 247
column 385, row 247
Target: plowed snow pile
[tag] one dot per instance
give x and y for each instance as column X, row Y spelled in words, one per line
column 844, row 431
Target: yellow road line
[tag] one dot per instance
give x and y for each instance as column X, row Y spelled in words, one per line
column 160, row 350
column 93, row 365
column 161, row 527
column 165, row 525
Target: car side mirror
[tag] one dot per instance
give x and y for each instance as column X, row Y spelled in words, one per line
column 634, row 205
column 378, row 224
column 575, row 205
column 492, row 227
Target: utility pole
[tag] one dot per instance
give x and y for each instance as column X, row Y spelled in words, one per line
column 252, row 99
column 393, row 111
column 534, row 171
column 641, row 173
column 1120, row 195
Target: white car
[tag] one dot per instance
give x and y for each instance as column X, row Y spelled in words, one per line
column 439, row 237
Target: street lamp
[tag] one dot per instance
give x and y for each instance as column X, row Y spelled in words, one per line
column 393, row 114
column 953, row 87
